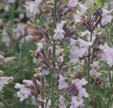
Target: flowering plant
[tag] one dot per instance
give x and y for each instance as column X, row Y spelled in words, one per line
column 57, row 54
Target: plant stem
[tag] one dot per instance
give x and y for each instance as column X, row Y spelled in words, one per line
column 30, row 57
column 35, row 18
column 54, row 56
column 52, row 91
column 109, row 100
column 13, row 11
column 88, row 69
column 110, row 94
column 89, row 54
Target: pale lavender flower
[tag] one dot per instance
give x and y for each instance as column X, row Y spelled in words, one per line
column 11, row 1
column 93, row 71
column 107, row 54
column 33, row 6
column 4, row 81
column 39, row 46
column 75, row 103
column 62, row 104
column 107, row 18
column 20, row 30
column 83, row 43
column 59, row 32
column 24, row 92
column 82, row 93
column 62, row 83
column 9, row 59
column 76, row 51
column 73, row 3
column 79, row 83
column 61, row 100
column 5, row 37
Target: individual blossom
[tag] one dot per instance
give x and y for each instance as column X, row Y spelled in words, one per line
column 19, row 30
column 82, row 93
column 59, row 32
column 9, row 59
column 75, row 103
column 76, row 86
column 76, row 53
column 83, row 8
column 107, row 17
column 39, row 46
column 79, row 16
column 73, row 3
column 11, row 1
column 33, row 6
column 24, row 92
column 4, row 81
column 61, row 100
column 62, row 83
column 93, row 71
column 5, row 38
column 83, row 43
column 79, row 84
column 79, row 48
column 107, row 54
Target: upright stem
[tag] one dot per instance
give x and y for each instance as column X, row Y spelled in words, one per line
column 110, row 95
column 54, row 56
column 88, row 70
column 31, row 58
column 35, row 18
column 13, row 11
column 89, row 54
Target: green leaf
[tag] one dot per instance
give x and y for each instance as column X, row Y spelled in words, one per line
column 96, row 93
column 26, row 47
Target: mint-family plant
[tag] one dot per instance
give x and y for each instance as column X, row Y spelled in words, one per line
column 64, row 50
